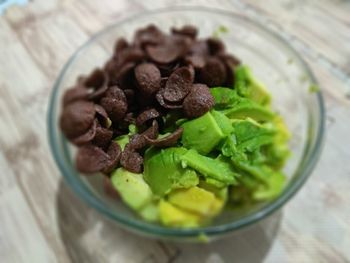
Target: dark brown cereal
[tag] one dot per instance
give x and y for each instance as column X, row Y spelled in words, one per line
column 87, row 136
column 167, row 69
column 98, row 81
column 178, row 84
column 142, row 82
column 138, row 141
column 153, row 131
column 130, row 96
column 114, row 152
column 165, row 104
column 76, row 118
column 102, row 116
column 130, row 54
column 213, row 73
column 91, row 159
column 186, row 30
column 200, row 48
column 116, row 93
column 146, row 116
column 149, row 35
column 169, row 50
column 132, row 161
column 124, row 72
column 198, row 102
column 216, row 46
column 167, row 141
column 230, row 63
column 120, row 45
column 196, row 61
column 74, row 94
column 148, row 78
column 129, row 118
column 163, row 53
column 115, row 108
column 102, row 137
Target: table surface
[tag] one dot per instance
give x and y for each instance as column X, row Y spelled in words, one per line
column 43, row 221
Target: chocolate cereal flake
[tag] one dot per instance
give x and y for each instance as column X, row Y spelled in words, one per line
column 198, row 102
column 178, row 84
column 146, row 116
column 77, row 118
column 132, row 161
column 74, row 94
column 186, row 30
column 167, row 141
column 148, row 78
column 102, row 137
column 114, row 152
column 87, row 136
column 91, row 159
column 213, row 73
column 98, row 81
column 115, row 108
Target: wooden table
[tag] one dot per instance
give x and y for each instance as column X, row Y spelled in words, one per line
column 41, row 220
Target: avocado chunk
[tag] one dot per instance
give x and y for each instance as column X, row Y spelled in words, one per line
column 248, row 86
column 223, row 122
column 274, row 184
column 219, row 191
column 193, row 199
column 201, row 134
column 224, row 97
column 208, row 167
column 132, row 188
column 150, row 212
column 176, row 217
column 251, row 135
column 163, row 171
column 248, row 108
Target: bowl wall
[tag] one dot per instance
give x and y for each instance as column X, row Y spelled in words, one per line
column 272, row 60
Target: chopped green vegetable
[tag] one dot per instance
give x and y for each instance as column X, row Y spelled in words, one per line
column 132, row 188
column 163, row 171
column 202, row 134
column 223, row 122
column 249, row 109
column 224, row 97
column 248, row 86
column 313, row 88
column 208, row 167
column 219, row 31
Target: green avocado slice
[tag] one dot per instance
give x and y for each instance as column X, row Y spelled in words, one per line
column 248, row 86
column 223, row 122
column 247, row 108
column 163, row 171
column 215, row 168
column 202, row 134
column 224, row 97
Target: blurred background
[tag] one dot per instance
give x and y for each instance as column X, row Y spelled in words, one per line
column 41, row 220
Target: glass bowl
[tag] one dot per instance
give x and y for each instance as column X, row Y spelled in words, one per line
column 272, row 60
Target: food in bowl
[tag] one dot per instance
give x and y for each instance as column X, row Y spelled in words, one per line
column 178, row 126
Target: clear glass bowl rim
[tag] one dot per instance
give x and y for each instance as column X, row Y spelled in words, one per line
column 157, row 230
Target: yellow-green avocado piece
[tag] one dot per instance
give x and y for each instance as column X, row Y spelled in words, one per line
column 172, row 216
column 196, row 200
column 132, row 188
